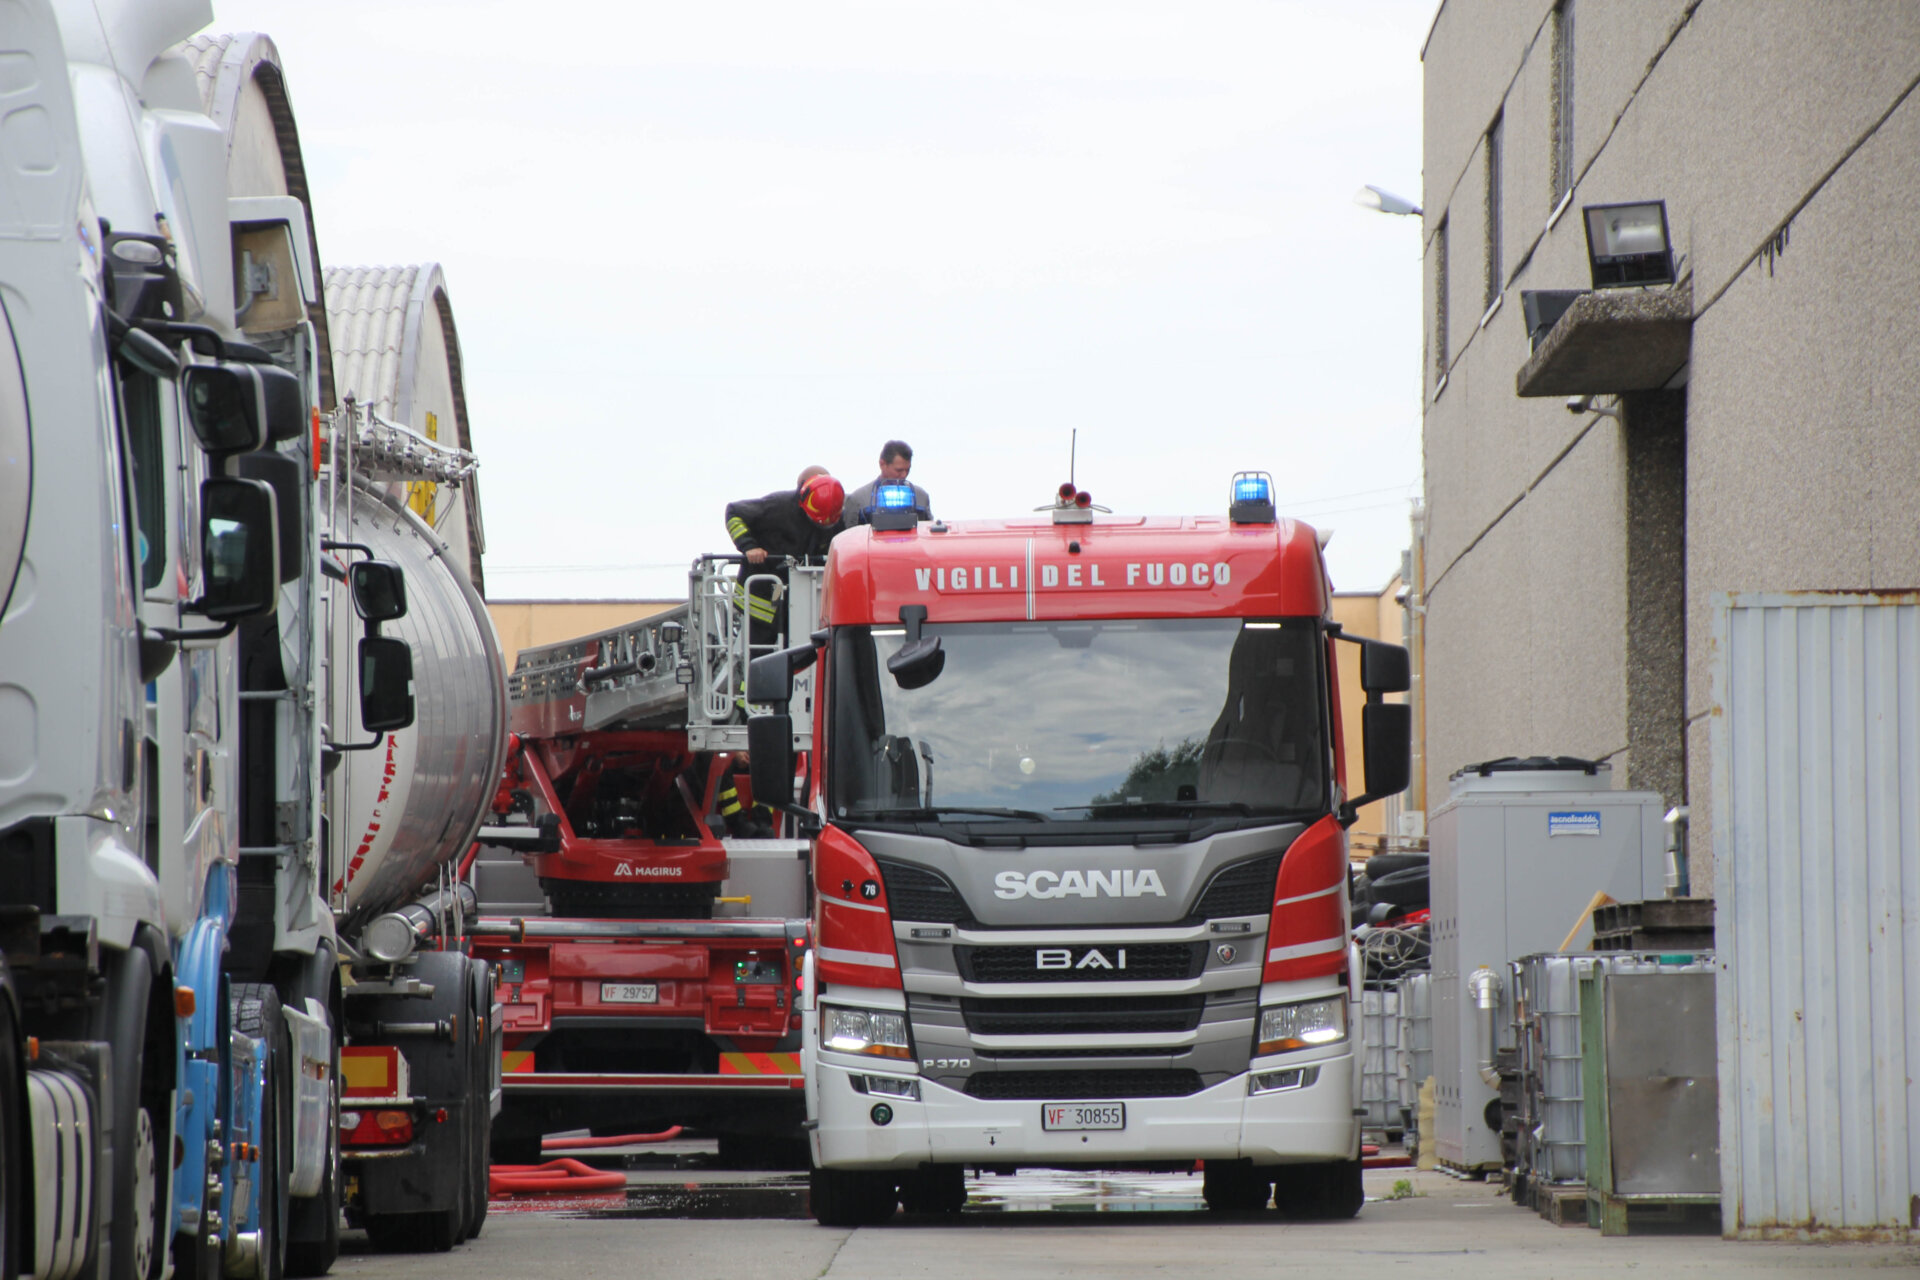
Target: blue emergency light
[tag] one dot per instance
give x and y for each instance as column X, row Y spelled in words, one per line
column 894, row 508
column 1252, row 498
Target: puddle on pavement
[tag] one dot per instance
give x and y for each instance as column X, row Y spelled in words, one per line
column 1037, row 1192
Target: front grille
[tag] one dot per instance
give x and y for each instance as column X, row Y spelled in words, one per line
column 1063, row 1085
column 914, row 893
column 1097, row 1015
column 1032, row 1055
column 1143, row 962
column 1243, row 889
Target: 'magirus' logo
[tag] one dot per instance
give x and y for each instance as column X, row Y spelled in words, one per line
column 1118, row 883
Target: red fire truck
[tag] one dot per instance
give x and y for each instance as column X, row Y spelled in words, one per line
column 1079, row 806
column 647, row 959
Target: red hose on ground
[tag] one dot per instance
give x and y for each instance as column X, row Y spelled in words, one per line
column 620, row 1140
column 555, row 1175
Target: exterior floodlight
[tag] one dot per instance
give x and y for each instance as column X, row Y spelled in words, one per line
column 1372, row 197
column 1627, row 244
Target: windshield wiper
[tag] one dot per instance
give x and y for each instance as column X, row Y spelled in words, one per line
column 1166, row 808
column 933, row 813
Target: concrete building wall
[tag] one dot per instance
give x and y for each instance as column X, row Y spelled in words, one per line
column 526, row 624
column 1572, row 558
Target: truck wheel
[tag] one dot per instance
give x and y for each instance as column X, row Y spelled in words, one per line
column 1320, row 1192
column 1235, row 1186
column 852, row 1197
column 412, row 1232
column 256, row 1013
column 139, row 1198
column 934, row 1188
column 13, row 1146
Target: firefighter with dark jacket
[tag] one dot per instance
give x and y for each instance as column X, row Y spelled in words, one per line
column 792, row 522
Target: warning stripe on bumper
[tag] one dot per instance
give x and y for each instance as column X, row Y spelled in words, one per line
column 759, row 1064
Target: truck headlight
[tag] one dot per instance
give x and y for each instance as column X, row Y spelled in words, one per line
column 867, row 1031
column 1302, row 1026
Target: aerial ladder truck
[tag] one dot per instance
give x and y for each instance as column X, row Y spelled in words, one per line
column 647, row 958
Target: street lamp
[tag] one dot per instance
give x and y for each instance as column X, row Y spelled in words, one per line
column 1372, row 197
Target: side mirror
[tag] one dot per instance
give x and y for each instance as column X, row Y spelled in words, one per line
column 770, row 677
column 1387, row 731
column 1384, row 668
column 918, row 663
column 379, row 589
column 288, row 476
column 238, row 408
column 239, row 549
column 386, row 683
column 770, row 754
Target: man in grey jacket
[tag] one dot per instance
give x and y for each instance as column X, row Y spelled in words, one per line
column 896, row 460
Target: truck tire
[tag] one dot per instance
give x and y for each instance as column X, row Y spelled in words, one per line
column 1326, row 1192
column 852, row 1197
column 13, row 1143
column 1406, row 888
column 1235, row 1186
column 1382, row 865
column 934, row 1188
column 411, row 1232
column 139, row 1199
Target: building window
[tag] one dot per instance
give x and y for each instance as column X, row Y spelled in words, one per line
column 1495, row 278
column 1562, row 130
column 1440, row 237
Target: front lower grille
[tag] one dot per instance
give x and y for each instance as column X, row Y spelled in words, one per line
column 1137, row 962
column 1243, row 889
column 1115, row 1015
column 1061, row 1086
column 914, row 893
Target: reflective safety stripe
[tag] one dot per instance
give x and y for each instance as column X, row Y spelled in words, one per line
column 736, row 528
column 512, row 1060
column 877, row 959
column 1307, row 949
column 1308, row 897
column 759, row 1064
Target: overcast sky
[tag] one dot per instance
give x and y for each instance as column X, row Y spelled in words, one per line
column 692, row 248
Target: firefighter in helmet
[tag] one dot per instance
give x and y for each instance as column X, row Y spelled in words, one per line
column 799, row 523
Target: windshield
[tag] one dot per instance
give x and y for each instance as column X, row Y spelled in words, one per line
column 1069, row 721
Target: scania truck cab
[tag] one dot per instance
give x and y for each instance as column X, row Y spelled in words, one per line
column 1081, row 866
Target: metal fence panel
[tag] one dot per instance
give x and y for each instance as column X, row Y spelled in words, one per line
column 1815, row 742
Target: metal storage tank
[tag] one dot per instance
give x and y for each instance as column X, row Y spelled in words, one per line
column 397, row 353
column 1816, row 852
column 1519, row 849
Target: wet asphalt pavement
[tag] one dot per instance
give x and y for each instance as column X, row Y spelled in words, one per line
column 683, row 1216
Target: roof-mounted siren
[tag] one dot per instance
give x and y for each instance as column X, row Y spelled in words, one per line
column 1073, row 505
column 894, row 508
column 1252, row 498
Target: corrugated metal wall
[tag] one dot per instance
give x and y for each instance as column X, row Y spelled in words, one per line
column 1816, row 845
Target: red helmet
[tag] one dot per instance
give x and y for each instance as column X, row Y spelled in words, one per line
column 822, row 498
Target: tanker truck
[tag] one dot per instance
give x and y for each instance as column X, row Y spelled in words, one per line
column 420, row 1063
column 172, row 921
column 120, row 1074
column 88, row 1033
